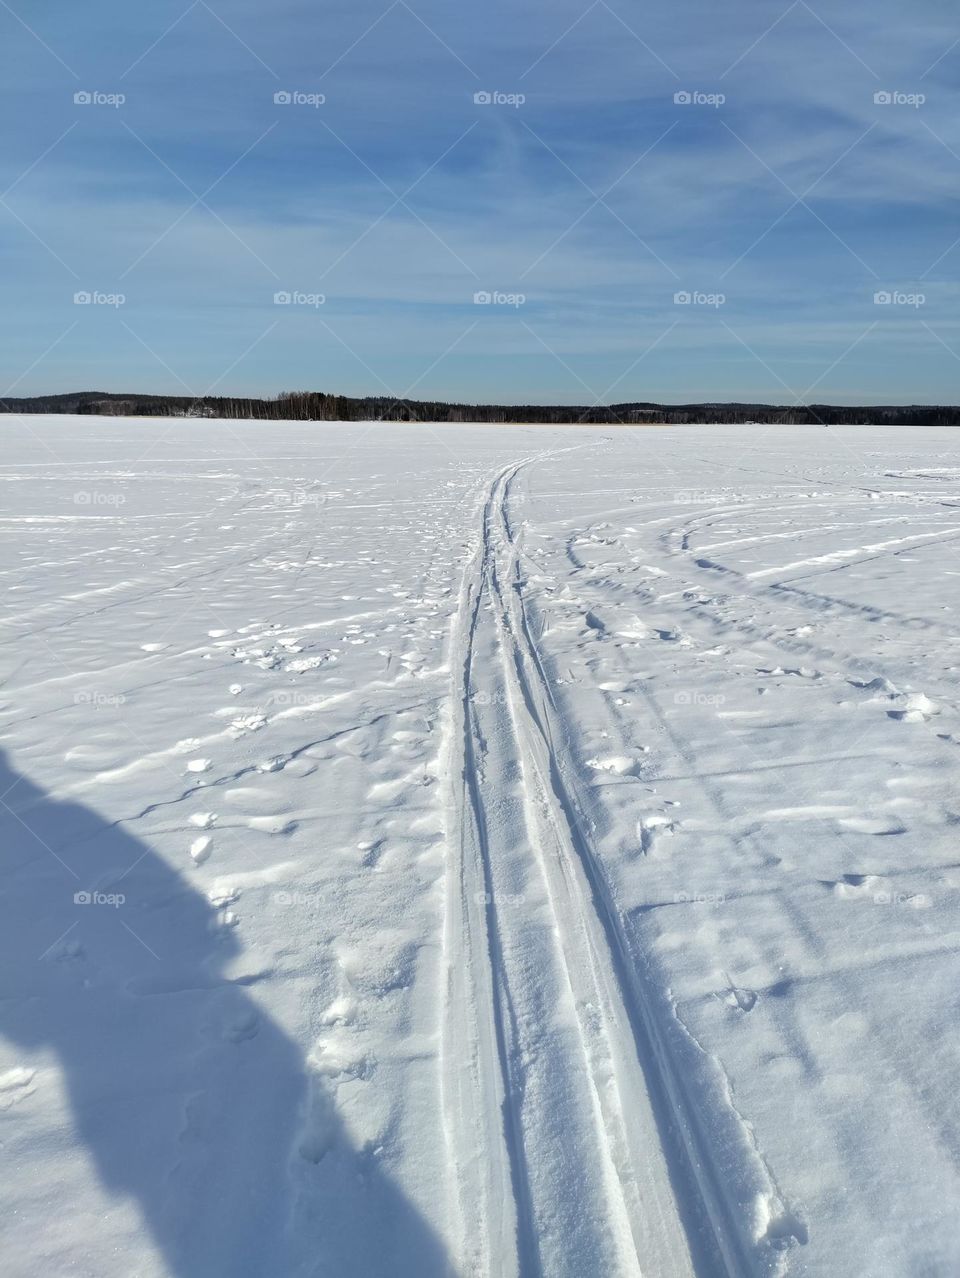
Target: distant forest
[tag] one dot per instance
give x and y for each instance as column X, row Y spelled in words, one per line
column 310, row 406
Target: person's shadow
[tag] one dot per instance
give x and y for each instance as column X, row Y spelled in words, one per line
column 187, row 1098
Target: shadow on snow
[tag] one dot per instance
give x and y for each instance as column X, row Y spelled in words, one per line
column 187, row 1098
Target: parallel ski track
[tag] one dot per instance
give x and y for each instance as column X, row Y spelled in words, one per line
column 647, row 1193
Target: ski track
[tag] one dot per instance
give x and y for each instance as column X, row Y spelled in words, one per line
column 586, row 1157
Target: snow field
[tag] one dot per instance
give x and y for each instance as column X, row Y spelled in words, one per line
column 488, row 850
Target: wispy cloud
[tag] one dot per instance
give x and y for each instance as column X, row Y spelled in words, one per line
column 735, row 154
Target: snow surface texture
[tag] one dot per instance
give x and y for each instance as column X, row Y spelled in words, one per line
column 479, row 851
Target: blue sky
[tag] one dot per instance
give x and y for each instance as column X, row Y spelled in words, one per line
column 782, row 211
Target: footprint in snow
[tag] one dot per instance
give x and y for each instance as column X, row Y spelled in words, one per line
column 200, row 849
column 851, row 881
column 914, row 707
column 650, row 828
column 271, row 824
column 242, row 1026
column 16, row 1085
column 245, row 723
column 875, row 685
column 621, row 765
column 873, row 825
column 801, row 672
column 739, row 998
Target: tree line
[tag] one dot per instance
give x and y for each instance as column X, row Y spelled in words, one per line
column 317, row 406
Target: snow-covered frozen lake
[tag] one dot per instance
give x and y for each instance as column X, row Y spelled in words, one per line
column 479, row 851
